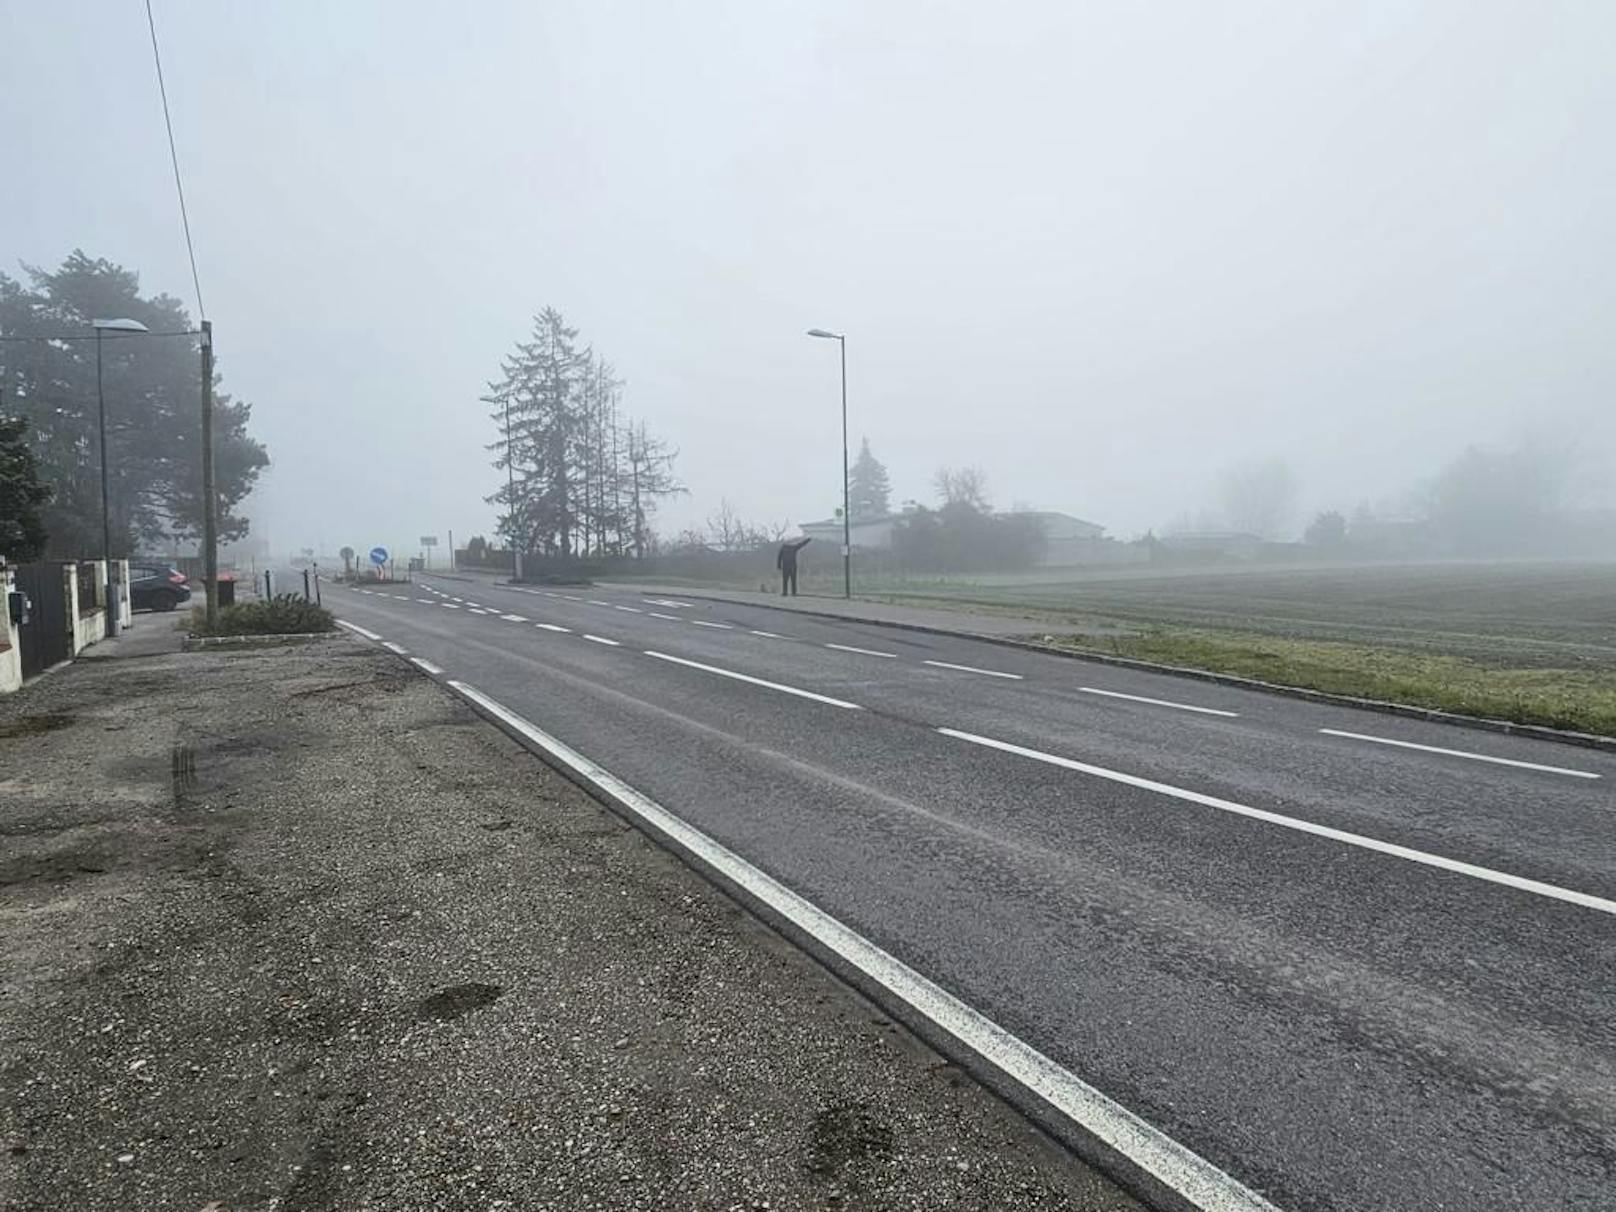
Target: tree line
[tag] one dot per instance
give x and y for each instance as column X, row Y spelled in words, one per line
column 50, row 454
column 582, row 478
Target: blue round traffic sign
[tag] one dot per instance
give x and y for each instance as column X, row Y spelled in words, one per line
column 378, row 555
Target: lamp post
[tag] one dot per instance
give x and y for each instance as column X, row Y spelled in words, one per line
column 111, row 589
column 847, row 506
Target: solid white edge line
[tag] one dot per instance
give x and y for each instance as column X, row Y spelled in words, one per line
column 1139, row 698
column 746, row 677
column 1460, row 753
column 717, row 626
column 1583, row 899
column 369, row 635
column 891, row 656
column 992, row 673
column 434, row 670
column 1185, row 1173
column 600, row 639
column 553, row 627
column 398, row 648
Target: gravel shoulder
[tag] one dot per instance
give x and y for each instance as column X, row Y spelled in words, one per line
column 290, row 928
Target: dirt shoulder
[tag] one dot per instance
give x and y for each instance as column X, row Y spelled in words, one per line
column 291, row 928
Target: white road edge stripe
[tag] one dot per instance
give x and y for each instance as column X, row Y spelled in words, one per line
column 398, row 648
column 369, row 635
column 1475, row 757
column 1584, row 899
column 1139, row 698
column 891, row 656
column 992, row 673
column 428, row 666
column 600, row 639
column 1187, row 1174
column 743, row 677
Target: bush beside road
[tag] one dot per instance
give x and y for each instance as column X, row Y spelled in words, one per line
column 292, row 928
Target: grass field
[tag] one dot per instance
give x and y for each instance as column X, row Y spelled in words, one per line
column 1529, row 642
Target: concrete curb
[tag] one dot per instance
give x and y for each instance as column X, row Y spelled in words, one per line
column 197, row 643
column 1586, row 740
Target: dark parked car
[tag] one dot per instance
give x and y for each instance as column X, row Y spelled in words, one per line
column 156, row 587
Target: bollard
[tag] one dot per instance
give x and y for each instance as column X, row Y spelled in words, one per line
column 268, row 592
column 305, row 584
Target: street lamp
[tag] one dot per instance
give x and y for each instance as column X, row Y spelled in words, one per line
column 106, row 326
column 847, row 510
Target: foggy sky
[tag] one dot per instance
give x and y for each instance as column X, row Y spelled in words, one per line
column 1101, row 250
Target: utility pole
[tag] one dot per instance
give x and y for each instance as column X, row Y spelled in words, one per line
column 210, row 521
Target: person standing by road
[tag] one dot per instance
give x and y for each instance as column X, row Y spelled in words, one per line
column 786, row 562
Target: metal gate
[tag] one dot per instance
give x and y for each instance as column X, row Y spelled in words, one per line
column 44, row 638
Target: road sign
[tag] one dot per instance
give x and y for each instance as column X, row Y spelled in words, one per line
column 429, row 540
column 378, row 555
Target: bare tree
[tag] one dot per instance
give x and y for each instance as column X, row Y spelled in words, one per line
column 963, row 486
column 1258, row 497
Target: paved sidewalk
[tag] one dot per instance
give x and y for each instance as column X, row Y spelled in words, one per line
column 151, row 633
column 290, row 928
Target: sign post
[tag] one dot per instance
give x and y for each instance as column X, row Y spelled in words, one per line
column 378, row 557
column 428, row 542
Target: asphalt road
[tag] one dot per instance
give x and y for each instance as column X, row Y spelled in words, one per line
column 1351, row 969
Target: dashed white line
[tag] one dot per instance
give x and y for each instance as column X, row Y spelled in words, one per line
column 448, row 605
column 629, row 609
column 457, row 601
column 768, row 635
column 478, row 610
column 513, row 618
column 715, row 626
column 600, row 639
column 672, row 618
column 553, row 627
column 1586, row 900
column 434, row 670
column 991, row 673
column 597, row 602
column 570, row 598
column 369, row 635
column 392, row 647
column 1139, row 698
column 1460, row 753
column 1194, row 1181
column 891, row 656
column 742, row 677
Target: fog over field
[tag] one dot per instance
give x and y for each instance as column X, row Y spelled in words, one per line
column 1106, row 253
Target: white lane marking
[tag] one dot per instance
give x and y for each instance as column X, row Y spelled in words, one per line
column 600, row 639
column 570, row 598
column 369, row 635
column 457, row 601
column 891, row 656
column 992, row 673
column 1188, row 1175
column 513, row 618
column 597, row 602
column 672, row 618
column 717, row 626
column 1584, row 899
column 426, row 601
column 392, row 647
column 742, row 677
column 1460, row 753
column 403, row 597
column 448, row 605
column 667, row 602
column 554, row 627
column 769, row 635
column 548, row 594
column 434, row 670
column 475, row 610
column 1139, row 698
column 478, row 605
column 629, row 609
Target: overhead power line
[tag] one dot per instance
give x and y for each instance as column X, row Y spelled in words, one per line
column 173, row 155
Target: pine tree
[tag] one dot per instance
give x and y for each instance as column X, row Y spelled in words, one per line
column 868, row 486
column 22, row 532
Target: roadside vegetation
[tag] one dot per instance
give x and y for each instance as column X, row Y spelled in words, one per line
column 1583, row 700
column 285, row 614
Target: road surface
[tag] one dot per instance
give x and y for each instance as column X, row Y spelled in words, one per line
column 1354, row 960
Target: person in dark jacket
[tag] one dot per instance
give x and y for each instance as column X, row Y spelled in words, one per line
column 786, row 562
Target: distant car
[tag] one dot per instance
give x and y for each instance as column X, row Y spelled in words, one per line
column 156, row 587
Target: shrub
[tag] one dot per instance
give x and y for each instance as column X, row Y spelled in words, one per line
column 284, row 614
